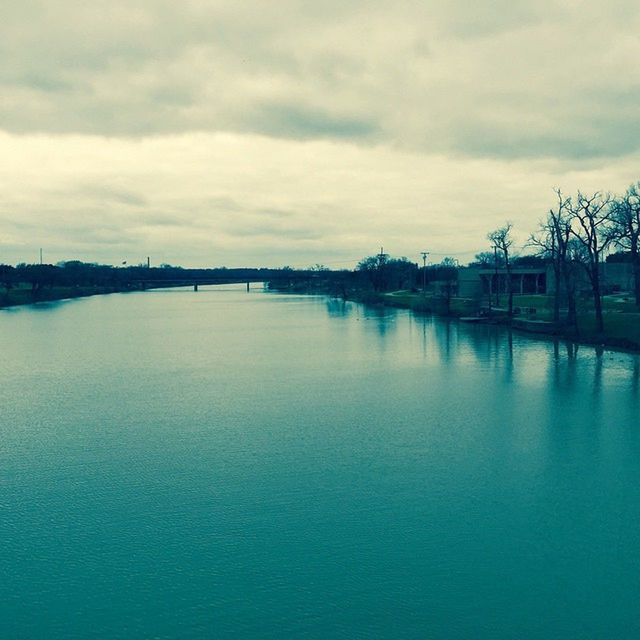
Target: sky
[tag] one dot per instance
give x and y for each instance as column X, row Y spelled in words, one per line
column 261, row 133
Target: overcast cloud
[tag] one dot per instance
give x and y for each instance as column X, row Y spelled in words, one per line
column 240, row 133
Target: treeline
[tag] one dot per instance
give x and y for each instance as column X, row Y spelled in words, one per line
column 577, row 235
column 575, row 238
column 75, row 273
column 383, row 273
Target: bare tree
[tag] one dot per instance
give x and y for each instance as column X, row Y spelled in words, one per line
column 502, row 241
column 554, row 242
column 486, row 259
column 626, row 219
column 572, row 269
column 593, row 229
column 448, row 273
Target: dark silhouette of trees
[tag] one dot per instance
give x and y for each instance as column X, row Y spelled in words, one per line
column 74, row 277
column 594, row 231
column 502, row 241
column 7, row 276
column 625, row 214
column 554, row 242
column 38, row 276
column 448, row 274
column 373, row 266
column 401, row 273
column 386, row 274
column 528, row 262
column 487, row 260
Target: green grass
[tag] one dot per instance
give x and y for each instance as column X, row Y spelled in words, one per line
column 429, row 302
column 620, row 314
column 621, row 328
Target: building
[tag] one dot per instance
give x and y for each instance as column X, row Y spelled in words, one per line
column 474, row 282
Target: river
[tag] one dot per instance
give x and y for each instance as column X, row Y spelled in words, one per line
column 225, row 464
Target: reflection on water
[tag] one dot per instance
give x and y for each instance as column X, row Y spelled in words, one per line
column 337, row 308
column 382, row 318
column 452, row 342
column 253, row 465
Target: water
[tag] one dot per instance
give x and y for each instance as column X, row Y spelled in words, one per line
column 230, row 465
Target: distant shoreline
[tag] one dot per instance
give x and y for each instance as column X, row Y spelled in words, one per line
column 609, row 342
column 460, row 307
column 23, row 296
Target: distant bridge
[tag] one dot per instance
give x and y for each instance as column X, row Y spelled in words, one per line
column 282, row 277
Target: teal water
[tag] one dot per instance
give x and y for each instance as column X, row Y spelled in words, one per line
column 230, row 465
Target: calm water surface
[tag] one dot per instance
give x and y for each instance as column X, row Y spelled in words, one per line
column 230, row 465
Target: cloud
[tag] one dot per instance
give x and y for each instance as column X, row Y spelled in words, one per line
column 229, row 199
column 507, row 79
column 234, row 133
column 289, row 121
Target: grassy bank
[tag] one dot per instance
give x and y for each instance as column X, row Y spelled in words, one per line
column 436, row 304
column 621, row 315
column 24, row 295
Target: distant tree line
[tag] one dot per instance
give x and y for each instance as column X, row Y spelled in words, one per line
column 75, row 273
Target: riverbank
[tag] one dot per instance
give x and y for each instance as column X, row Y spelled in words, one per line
column 621, row 318
column 621, row 315
column 24, row 295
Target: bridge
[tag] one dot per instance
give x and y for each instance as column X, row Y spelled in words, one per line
column 197, row 277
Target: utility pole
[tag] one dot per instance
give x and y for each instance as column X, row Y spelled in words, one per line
column 148, row 262
column 40, row 255
column 380, row 276
column 424, row 272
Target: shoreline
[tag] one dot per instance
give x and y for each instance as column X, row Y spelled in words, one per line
column 606, row 342
column 25, row 297
column 461, row 307
column 411, row 302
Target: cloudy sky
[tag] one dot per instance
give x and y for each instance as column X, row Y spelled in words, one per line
column 250, row 132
